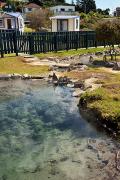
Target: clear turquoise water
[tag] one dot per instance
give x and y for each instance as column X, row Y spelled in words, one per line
column 43, row 136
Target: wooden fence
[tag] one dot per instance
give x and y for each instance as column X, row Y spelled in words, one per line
column 38, row 42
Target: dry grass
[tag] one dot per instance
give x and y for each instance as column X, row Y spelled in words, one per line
column 10, row 65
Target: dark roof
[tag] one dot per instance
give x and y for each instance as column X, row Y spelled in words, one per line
column 32, row 5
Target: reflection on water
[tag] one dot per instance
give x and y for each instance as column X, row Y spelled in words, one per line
column 42, row 135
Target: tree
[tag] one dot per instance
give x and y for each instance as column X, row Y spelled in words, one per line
column 104, row 12
column 108, row 31
column 39, row 19
column 85, row 5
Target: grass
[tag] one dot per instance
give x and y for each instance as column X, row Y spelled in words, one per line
column 106, row 100
column 70, row 52
column 10, row 65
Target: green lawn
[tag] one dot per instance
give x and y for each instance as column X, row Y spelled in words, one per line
column 106, row 100
column 70, row 52
column 10, row 65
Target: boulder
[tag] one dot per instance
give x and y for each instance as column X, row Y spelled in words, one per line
column 79, row 84
column 99, row 53
column 77, row 93
column 116, row 66
column 5, row 76
column 15, row 76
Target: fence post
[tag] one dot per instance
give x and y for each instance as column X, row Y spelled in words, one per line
column 55, row 42
column 31, row 44
column 67, row 42
column 44, row 43
column 1, row 46
column 86, row 40
column 76, row 39
column 15, row 42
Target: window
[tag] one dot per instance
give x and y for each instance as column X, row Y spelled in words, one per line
column 1, row 22
column 21, row 23
column 29, row 9
column 62, row 9
column 77, row 23
column 56, row 10
column 70, row 10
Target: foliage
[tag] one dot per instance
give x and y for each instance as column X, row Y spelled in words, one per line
column 39, row 19
column 85, row 6
column 28, row 29
column 89, row 20
column 103, row 12
column 108, row 31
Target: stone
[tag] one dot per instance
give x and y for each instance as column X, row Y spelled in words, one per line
column 78, row 93
column 5, row 77
column 26, row 76
column 99, row 53
column 116, row 66
column 15, row 76
column 79, row 84
column 54, row 77
column 70, row 85
column 36, row 77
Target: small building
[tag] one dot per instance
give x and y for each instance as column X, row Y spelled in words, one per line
column 30, row 7
column 11, row 21
column 62, row 23
column 117, row 12
column 62, row 9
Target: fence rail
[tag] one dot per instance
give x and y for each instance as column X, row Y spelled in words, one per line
column 41, row 42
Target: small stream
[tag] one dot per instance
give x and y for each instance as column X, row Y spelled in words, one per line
column 43, row 136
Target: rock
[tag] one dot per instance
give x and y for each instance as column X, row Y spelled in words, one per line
column 54, row 77
column 70, row 85
column 78, row 93
column 79, row 84
column 105, row 162
column 116, row 66
column 26, row 76
column 63, row 80
column 65, row 158
column 36, row 77
column 15, row 76
column 99, row 53
column 5, row 77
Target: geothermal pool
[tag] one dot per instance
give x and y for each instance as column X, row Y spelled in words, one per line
column 43, row 136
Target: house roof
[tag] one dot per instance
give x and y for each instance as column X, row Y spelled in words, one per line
column 8, row 14
column 64, row 17
column 14, row 14
column 2, row 4
column 32, row 5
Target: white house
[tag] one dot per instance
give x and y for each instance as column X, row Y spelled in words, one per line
column 65, row 18
column 65, row 23
column 12, row 20
column 62, row 9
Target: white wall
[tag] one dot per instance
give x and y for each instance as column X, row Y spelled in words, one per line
column 58, row 8
column 71, row 24
column 15, row 23
column 54, row 25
